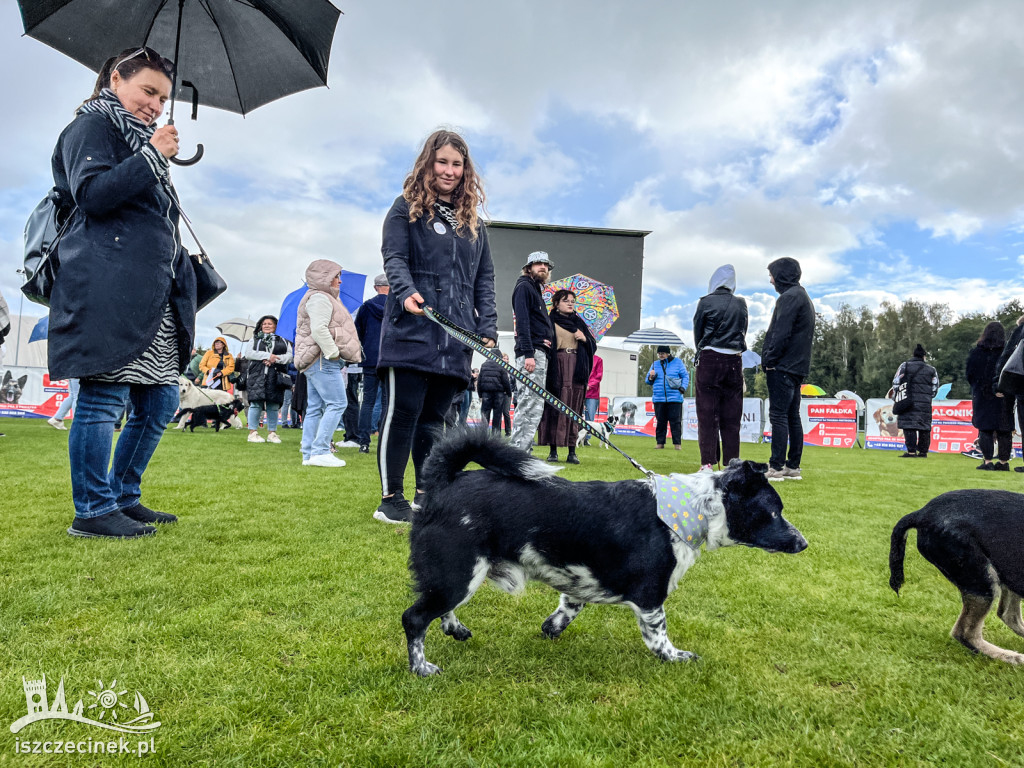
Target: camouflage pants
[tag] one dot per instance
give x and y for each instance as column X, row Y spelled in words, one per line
column 530, row 406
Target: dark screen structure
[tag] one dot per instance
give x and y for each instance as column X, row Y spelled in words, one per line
column 612, row 256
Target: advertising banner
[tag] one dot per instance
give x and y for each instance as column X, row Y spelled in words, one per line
column 29, row 392
column 827, row 422
column 750, row 424
column 635, row 414
column 952, row 431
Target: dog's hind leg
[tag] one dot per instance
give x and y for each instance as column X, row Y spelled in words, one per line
column 653, row 629
column 556, row 623
column 968, row 629
column 452, row 627
column 1009, row 611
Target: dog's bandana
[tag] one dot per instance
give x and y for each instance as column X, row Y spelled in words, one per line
column 678, row 512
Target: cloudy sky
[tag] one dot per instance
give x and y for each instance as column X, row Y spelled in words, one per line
column 880, row 143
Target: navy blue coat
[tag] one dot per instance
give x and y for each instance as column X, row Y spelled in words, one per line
column 453, row 274
column 368, row 320
column 120, row 259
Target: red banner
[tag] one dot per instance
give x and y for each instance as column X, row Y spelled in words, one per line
column 826, row 422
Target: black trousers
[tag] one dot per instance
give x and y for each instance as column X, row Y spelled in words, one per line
column 668, row 415
column 350, row 419
column 917, row 440
column 490, row 409
column 784, row 415
column 988, row 441
column 415, row 407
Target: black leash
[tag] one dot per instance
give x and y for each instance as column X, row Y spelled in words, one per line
column 476, row 342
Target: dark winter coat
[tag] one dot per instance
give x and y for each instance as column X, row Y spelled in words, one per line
column 991, row 413
column 493, row 378
column 1011, row 345
column 267, row 383
column 721, row 321
column 453, row 274
column 585, row 351
column 368, row 321
column 787, row 342
column 923, row 384
column 121, row 259
column 532, row 323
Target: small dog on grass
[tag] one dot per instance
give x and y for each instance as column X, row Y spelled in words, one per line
column 218, row 414
column 603, row 428
column 976, row 539
column 622, row 543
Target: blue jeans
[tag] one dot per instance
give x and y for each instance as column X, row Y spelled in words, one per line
column 369, row 411
column 256, row 408
column 784, row 415
column 325, row 405
column 97, row 490
column 286, row 408
column 590, row 408
column 69, row 402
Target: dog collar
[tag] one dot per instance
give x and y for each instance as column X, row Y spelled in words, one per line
column 676, row 510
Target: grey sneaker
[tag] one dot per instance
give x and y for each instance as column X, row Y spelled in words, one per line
column 776, row 475
column 792, row 474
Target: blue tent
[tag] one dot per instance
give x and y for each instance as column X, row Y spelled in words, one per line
column 41, row 330
column 352, row 286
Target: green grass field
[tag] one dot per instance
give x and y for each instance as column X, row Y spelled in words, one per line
column 264, row 628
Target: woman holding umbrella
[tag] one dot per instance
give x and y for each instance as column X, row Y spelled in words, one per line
column 123, row 307
column 568, row 375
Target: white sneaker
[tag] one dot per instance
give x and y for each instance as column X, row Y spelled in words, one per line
column 254, row 437
column 273, row 438
column 324, row 460
column 706, row 468
column 56, row 423
column 776, row 475
column 347, row 444
column 305, row 462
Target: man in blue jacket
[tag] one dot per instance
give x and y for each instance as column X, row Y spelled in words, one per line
column 535, row 337
column 368, row 320
column 786, row 359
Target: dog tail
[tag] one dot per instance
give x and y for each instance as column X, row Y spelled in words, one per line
column 460, row 447
column 898, row 548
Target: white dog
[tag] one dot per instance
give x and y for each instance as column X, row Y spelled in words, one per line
column 190, row 396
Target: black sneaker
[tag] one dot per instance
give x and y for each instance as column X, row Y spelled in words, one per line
column 142, row 514
column 908, row 455
column 1001, row 466
column 571, row 459
column 393, row 509
column 113, row 525
column 552, row 457
column 1018, row 469
column 364, row 449
column 417, row 501
column 987, row 467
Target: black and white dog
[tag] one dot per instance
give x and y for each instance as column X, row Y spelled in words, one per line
column 218, row 414
column 595, row 542
column 12, row 388
column 976, row 539
column 603, row 428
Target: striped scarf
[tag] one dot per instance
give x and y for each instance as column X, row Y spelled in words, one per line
column 135, row 132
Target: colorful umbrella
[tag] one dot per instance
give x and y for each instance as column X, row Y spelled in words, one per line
column 810, row 390
column 595, row 302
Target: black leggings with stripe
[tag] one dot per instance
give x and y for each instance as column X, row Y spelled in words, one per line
column 415, row 407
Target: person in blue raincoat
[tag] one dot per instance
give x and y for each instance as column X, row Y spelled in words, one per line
column 436, row 255
column 668, row 378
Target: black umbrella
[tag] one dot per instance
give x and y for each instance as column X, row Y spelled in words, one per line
column 233, row 54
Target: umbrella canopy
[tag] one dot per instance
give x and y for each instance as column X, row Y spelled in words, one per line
column 595, row 301
column 943, row 393
column 846, row 394
column 750, row 359
column 238, row 328
column 239, row 54
column 811, row 390
column 40, row 330
column 351, row 294
column 654, row 337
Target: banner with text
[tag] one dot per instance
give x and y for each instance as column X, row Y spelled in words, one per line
column 826, row 421
column 635, row 414
column 29, row 392
column 952, row 431
column 750, row 423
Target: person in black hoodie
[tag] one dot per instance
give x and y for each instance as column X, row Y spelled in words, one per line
column 1012, row 383
column 992, row 410
column 535, row 336
column 493, row 386
column 786, row 359
column 719, row 333
column 922, row 384
column 368, row 320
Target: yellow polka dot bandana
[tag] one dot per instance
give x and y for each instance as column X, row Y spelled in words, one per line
column 677, row 511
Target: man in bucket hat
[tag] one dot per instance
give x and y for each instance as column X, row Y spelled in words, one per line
column 535, row 338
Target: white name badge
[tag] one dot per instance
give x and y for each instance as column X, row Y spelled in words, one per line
column 439, row 228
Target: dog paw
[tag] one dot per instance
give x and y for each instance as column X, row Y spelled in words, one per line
column 426, row 669
column 459, row 633
column 551, row 629
column 678, row 655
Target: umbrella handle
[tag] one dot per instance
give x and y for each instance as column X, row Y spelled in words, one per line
column 195, row 110
column 192, row 160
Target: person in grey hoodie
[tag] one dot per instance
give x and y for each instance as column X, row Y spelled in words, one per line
column 719, row 333
column 786, row 359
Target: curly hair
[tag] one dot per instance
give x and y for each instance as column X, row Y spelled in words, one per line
column 993, row 337
column 418, row 189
